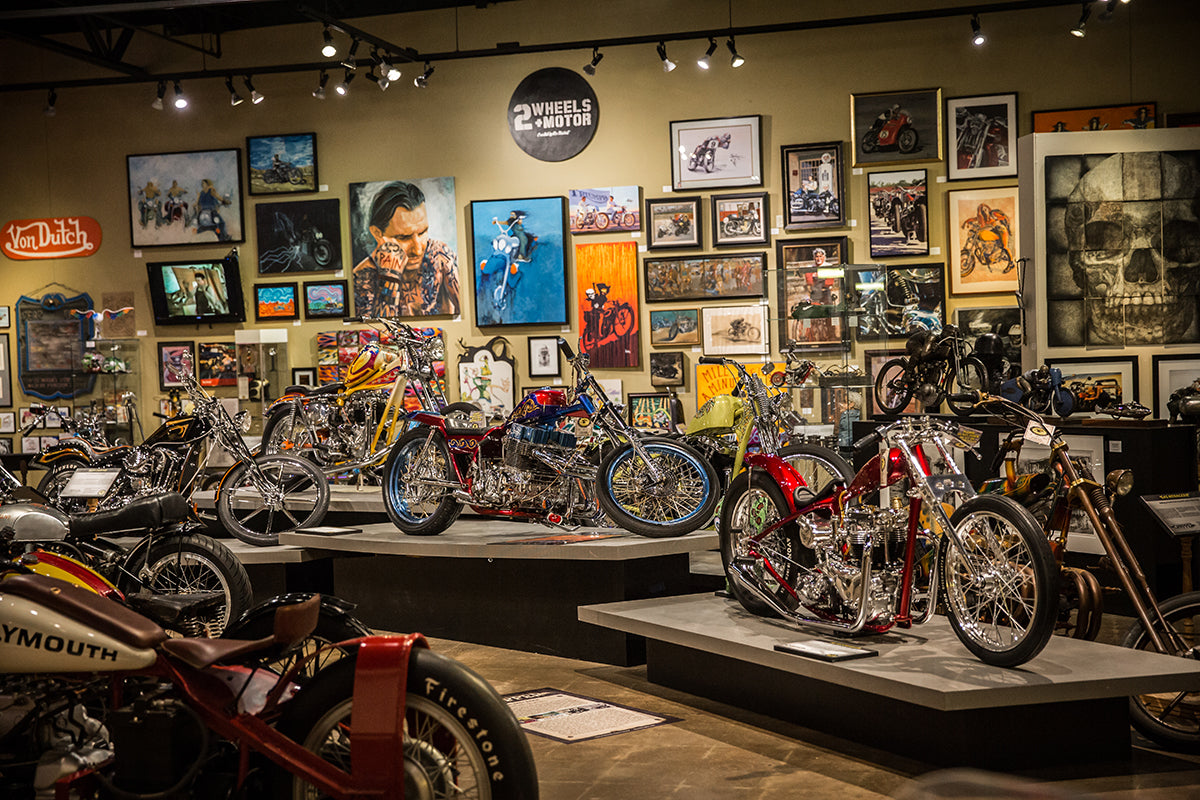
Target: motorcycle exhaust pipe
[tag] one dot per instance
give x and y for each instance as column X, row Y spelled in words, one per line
column 750, row 584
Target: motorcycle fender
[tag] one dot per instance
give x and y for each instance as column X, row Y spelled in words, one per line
column 65, row 568
column 785, row 477
column 380, row 686
column 35, row 638
column 286, row 400
column 432, row 420
column 332, row 607
column 69, row 450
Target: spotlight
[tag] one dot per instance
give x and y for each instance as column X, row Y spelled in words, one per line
column 735, row 60
column 343, row 88
column 157, row 105
column 702, row 62
column 328, row 49
column 319, row 92
column 235, row 99
column 255, row 97
column 422, row 80
column 180, row 101
column 389, row 71
column 348, row 61
column 51, row 99
column 668, row 64
column 380, row 80
column 1079, row 29
column 977, row 37
column 597, row 57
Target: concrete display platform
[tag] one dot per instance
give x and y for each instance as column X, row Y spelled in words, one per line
column 342, row 499
column 924, row 695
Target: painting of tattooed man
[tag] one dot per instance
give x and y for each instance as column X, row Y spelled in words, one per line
column 1123, row 249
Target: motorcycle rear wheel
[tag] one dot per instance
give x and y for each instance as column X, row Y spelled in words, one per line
column 460, row 739
column 753, row 502
column 420, row 510
column 1170, row 718
column 971, row 376
column 1063, row 401
column 893, row 390
column 818, row 466
column 683, row 502
column 242, row 509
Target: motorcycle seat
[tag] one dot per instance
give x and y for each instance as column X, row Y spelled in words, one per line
column 310, row 391
column 90, row 609
column 144, row 513
column 806, row 496
column 293, row 623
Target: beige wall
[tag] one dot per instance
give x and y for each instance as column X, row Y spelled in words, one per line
column 800, row 82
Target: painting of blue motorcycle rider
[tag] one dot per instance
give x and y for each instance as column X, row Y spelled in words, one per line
column 519, row 262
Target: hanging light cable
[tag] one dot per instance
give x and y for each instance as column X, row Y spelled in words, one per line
column 319, row 92
column 235, row 99
column 597, row 57
column 255, row 97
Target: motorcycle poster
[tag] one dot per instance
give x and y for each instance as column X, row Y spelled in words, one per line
column 519, row 262
column 735, row 330
column 899, row 210
column 983, row 240
column 896, row 127
column 678, row 327
column 892, row 302
column 607, row 299
column 285, row 164
column 303, row 236
column 716, row 153
column 673, row 223
column 981, row 137
column 740, row 219
column 813, row 186
column 605, row 209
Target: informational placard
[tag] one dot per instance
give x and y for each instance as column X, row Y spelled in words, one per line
column 825, row 650
column 568, row 717
column 90, row 482
column 1179, row 513
column 553, row 114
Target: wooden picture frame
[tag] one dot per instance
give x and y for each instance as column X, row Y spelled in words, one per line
column 544, row 357
column 896, row 127
column 707, row 278
column 984, row 240
column 740, row 219
column 296, row 170
column 185, row 198
column 276, row 302
column 735, row 330
column 673, row 223
column 981, row 137
column 729, row 148
column 326, row 300
column 1129, row 116
column 814, row 190
column 1171, row 372
column 675, row 327
column 170, row 363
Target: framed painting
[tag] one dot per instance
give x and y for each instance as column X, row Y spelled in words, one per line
column 171, row 358
column 8, row 422
column 1181, row 119
column 605, row 210
column 814, row 192
column 5, row 316
column 1004, row 321
column 657, row 412
column 520, row 268
column 982, row 225
column 706, row 278
column 486, row 377
column 811, row 299
column 606, row 294
column 716, row 153
column 981, row 137
column 304, row 376
column 1171, row 373
column 1089, row 376
column 283, row 164
column 1134, row 116
column 6, row 445
column 300, row 236
column 735, row 330
column 326, row 300
column 673, row 223
column 896, row 127
column 717, row 379
column 899, row 211
column 6, row 399
column 677, row 327
column 543, row 357
column 275, row 301
column 216, row 363
column 667, row 369
column 740, row 219
column 185, row 198
column 888, row 302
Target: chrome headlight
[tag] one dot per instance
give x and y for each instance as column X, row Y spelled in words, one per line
column 436, row 349
column 1119, row 482
column 241, row 421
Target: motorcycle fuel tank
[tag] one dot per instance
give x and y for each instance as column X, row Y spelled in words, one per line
column 538, row 404
column 33, row 522
column 719, row 415
column 34, row 638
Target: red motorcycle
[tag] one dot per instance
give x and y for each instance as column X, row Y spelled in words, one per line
column 894, row 133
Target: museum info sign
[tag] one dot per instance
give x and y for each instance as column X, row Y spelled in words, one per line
column 53, row 237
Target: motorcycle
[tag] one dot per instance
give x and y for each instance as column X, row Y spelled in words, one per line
column 606, row 324
column 934, row 369
column 531, row 468
column 502, row 265
column 980, row 140
column 741, row 225
column 812, row 202
column 704, row 157
column 896, row 132
column 283, row 172
column 1041, row 389
column 989, row 349
column 100, row 698
column 675, row 227
column 1184, row 404
column 832, row 561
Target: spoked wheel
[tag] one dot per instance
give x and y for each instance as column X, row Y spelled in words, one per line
column 416, row 481
column 623, row 321
column 679, row 500
column 291, row 493
column 284, row 432
column 333, row 625
column 1002, row 595
column 1170, row 718
column 818, row 466
column 893, row 390
column 970, row 377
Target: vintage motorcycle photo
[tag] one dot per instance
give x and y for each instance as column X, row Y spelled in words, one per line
column 935, row 368
column 704, row 157
column 891, row 130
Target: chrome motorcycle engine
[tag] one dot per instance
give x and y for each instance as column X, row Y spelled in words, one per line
column 149, row 469
column 536, row 472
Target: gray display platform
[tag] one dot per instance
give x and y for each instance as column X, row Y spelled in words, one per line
column 924, row 695
column 342, row 499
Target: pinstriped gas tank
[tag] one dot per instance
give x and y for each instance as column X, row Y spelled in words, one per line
column 374, row 368
column 718, row 416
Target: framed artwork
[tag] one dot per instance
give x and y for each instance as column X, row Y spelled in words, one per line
column 667, row 369
column 543, row 357
column 520, row 268
column 706, row 278
column 1005, row 322
column 981, row 137
column 982, row 225
column 304, row 376
column 6, row 445
column 326, row 300
column 735, row 330
column 811, row 299
column 874, row 360
column 716, row 153
column 8, row 422
column 5, row 316
column 30, row 420
column 275, row 301
column 1134, row 116
column 185, row 198
column 899, row 211
column 1181, row 119
column 1171, row 373
column 673, row 223
column 606, row 294
column 887, row 302
column 813, row 186
column 716, row 379
column 171, row 357
column 55, row 416
column 1088, row 376
column 896, row 127
column 299, row 236
column 486, row 377
column 678, row 327
column 5, row 373
column 658, row 412
column 51, row 331
column 614, row 389
column 216, row 363
column 740, row 219
column 283, row 164
column 605, row 210
column 31, row 445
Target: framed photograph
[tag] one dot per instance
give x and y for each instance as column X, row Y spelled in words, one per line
column 5, row 373
column 326, row 300
column 31, row 445
column 275, row 301
column 606, row 294
column 543, row 357
column 284, row 164
column 6, row 445
column 735, row 330
column 706, row 278
column 1181, row 119
column 899, row 211
column 678, row 327
column 716, row 153
column 888, row 302
column 8, row 422
column 673, row 223
column 740, row 219
column 667, row 369
column 520, row 267
column 1134, row 116
column 981, row 137
column 299, row 236
column 28, row 418
column 5, row 316
column 814, row 192
column 811, row 299
column 185, row 198
column 1004, row 321
column 1089, row 376
column 658, row 412
column 304, row 376
column 216, row 363
column 1171, row 373
column 896, row 127
column 982, row 225
column 606, row 209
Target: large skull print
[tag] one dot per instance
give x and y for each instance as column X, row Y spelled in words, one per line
column 1134, row 246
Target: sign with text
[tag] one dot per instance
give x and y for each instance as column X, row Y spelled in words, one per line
column 553, row 114
column 52, row 237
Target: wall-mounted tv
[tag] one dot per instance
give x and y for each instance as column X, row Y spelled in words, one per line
column 189, row 292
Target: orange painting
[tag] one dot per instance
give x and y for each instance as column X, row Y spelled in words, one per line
column 606, row 293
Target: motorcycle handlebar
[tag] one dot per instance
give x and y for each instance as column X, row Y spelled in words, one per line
column 973, row 397
column 866, row 441
column 710, row 360
column 565, row 349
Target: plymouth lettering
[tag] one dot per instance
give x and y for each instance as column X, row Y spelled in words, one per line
column 23, row 637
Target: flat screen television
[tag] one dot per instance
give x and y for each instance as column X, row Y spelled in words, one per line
column 189, row 292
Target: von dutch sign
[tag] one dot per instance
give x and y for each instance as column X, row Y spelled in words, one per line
column 52, row 237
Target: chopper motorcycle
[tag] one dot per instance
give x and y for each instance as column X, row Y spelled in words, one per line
column 529, row 467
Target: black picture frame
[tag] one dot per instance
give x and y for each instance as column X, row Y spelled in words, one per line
column 665, row 230
column 923, row 110
column 271, row 302
column 668, row 368
column 300, row 165
column 814, row 189
column 1163, row 383
column 304, row 376
column 981, row 137
column 327, row 305
column 6, row 397
column 168, row 352
column 737, row 159
column 739, row 220
column 898, row 210
column 811, row 295
column 544, row 348
column 726, row 276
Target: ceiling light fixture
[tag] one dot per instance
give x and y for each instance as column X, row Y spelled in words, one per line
column 380, row 80
column 667, row 63
column 319, row 92
column 235, row 99
column 255, row 97
column 977, row 37
column 157, row 104
column 51, row 99
column 703, row 61
column 389, row 71
column 328, row 48
column 181, row 102
column 735, row 60
column 422, row 80
column 1079, row 31
column 597, row 57
column 348, row 62
column 343, row 88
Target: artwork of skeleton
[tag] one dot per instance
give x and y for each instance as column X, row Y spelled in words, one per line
column 1123, row 249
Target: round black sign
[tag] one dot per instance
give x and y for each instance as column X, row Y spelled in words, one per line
column 553, row 114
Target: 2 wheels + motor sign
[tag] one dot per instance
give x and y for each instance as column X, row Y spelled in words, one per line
column 553, row 114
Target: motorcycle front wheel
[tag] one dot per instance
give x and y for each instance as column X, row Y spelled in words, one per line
column 1005, row 611
column 893, row 390
column 680, row 501
column 907, row 140
column 1170, row 718
column 754, row 502
column 1063, row 401
column 414, row 501
column 301, row 498
column 460, row 739
column 971, row 376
